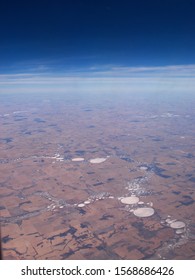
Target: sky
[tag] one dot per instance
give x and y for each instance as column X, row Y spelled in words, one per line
column 135, row 39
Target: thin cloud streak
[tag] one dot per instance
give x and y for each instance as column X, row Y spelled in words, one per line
column 158, row 71
column 107, row 70
column 173, row 78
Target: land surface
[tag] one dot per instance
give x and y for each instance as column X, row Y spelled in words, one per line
column 148, row 143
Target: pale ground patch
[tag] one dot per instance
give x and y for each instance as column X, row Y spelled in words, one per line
column 78, row 159
column 143, row 212
column 81, row 205
column 97, row 160
column 130, row 200
column 177, row 225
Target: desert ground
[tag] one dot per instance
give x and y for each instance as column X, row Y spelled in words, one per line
column 76, row 170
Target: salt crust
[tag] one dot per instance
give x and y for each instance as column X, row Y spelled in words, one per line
column 78, row 159
column 169, row 221
column 143, row 212
column 140, row 202
column 180, row 231
column 97, row 160
column 177, row 225
column 81, row 205
column 87, row 202
column 143, row 168
column 130, row 200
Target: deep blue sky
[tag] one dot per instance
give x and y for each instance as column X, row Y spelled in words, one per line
column 73, row 34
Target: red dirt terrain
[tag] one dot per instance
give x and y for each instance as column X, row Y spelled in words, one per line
column 55, row 208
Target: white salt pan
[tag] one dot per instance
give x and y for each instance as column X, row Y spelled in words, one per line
column 169, row 221
column 97, row 160
column 78, row 159
column 143, row 212
column 87, row 202
column 177, row 225
column 143, row 168
column 180, row 231
column 81, row 205
column 130, row 200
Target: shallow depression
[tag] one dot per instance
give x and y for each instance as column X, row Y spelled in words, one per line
column 177, row 225
column 130, row 200
column 78, row 159
column 97, row 160
column 143, row 212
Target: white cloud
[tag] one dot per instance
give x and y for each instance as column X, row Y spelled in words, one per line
column 105, row 78
column 154, row 71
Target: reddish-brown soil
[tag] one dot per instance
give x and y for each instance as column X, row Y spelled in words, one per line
column 149, row 145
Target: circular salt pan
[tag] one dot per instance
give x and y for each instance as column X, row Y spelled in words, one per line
column 87, row 202
column 130, row 200
column 81, row 205
column 97, row 160
column 143, row 212
column 78, row 159
column 177, row 225
column 180, row 231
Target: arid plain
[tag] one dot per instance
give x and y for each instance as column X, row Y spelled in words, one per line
column 67, row 163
